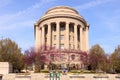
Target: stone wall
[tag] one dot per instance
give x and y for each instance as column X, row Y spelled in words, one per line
column 8, row 77
column 5, row 68
column 39, row 76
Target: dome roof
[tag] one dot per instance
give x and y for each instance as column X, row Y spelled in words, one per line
column 64, row 9
column 61, row 11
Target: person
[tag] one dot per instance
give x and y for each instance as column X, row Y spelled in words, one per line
column 57, row 75
column 51, row 75
column 64, row 71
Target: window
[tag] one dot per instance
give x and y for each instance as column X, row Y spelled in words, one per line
column 73, row 57
column 70, row 29
column 61, row 46
column 54, row 37
column 54, row 28
column 61, row 37
column 62, row 28
column 54, row 45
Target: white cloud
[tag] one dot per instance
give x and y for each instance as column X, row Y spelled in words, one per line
column 4, row 3
column 92, row 4
column 18, row 25
column 9, row 21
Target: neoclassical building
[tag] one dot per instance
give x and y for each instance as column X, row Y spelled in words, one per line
column 63, row 28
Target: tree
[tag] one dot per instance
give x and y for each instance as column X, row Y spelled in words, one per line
column 49, row 56
column 115, row 60
column 38, row 58
column 10, row 52
column 97, row 58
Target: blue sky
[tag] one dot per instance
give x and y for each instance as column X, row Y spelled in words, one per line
column 17, row 18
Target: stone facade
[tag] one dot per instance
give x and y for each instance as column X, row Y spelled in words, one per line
column 63, row 28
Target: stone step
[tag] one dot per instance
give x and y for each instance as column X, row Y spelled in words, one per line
column 22, row 77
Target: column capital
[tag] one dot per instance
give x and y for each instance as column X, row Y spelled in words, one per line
column 35, row 24
column 75, row 24
column 48, row 23
column 67, row 22
column 57, row 22
column 87, row 28
column 37, row 27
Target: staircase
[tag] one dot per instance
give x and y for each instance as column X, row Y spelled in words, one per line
column 64, row 77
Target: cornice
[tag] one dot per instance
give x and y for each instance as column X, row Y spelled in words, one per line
column 79, row 18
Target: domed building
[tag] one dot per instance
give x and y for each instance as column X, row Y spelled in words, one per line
column 63, row 28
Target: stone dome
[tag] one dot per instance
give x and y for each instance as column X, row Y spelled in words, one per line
column 61, row 11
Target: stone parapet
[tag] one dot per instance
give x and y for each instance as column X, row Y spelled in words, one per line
column 5, row 68
column 40, row 76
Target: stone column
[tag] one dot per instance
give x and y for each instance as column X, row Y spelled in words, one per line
column 58, row 35
column 81, row 38
column 49, row 35
column 36, row 36
column 75, row 36
column 86, row 37
column 39, row 37
column 43, row 35
column 67, row 36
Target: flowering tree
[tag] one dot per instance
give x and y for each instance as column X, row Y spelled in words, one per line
column 39, row 57
column 48, row 55
column 83, row 57
column 29, row 56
